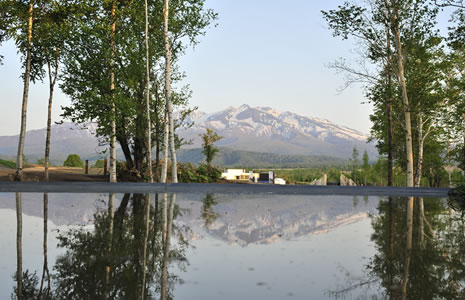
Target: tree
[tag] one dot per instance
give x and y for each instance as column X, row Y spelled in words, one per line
column 209, row 150
column 169, row 126
column 147, row 79
column 354, row 160
column 52, row 30
column 18, row 19
column 73, row 160
column 86, row 75
column 380, row 25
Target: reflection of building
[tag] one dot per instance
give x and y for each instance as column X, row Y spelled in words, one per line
column 239, row 175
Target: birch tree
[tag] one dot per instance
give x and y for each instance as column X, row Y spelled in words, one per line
column 147, row 78
column 169, row 128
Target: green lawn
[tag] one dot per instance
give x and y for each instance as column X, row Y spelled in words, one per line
column 7, row 163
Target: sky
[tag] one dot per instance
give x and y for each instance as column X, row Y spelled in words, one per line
column 262, row 53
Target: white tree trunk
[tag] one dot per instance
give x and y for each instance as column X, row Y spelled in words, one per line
column 27, row 75
column 52, row 80
column 174, row 173
column 405, row 101
column 149, row 123
column 421, row 142
column 112, row 95
column 164, row 167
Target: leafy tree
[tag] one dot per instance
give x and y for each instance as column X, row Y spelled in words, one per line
column 354, row 160
column 73, row 160
column 86, row 74
column 18, row 23
column 209, row 150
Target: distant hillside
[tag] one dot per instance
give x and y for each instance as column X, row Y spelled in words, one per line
column 247, row 159
column 264, row 129
column 256, row 137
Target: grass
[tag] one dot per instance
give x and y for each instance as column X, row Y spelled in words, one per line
column 8, row 163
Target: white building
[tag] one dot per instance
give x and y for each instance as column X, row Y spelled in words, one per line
column 239, row 174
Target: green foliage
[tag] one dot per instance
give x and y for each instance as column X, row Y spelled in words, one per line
column 299, row 175
column 99, row 163
column 208, row 213
column 354, row 160
column 8, row 163
column 30, row 286
column 209, row 150
column 86, row 73
column 73, row 160
column 187, row 172
column 245, row 159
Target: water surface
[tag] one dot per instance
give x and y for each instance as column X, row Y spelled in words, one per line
column 232, row 246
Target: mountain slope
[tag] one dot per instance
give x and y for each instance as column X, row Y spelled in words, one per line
column 263, row 129
column 66, row 138
column 247, row 159
column 244, row 130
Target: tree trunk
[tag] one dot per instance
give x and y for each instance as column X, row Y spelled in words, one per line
column 422, row 222
column 390, row 135
column 111, row 201
column 408, row 247
column 19, row 246
column 406, row 106
column 157, row 152
column 27, row 75
column 52, row 81
column 420, row 151
column 389, row 103
column 149, row 123
column 127, row 152
column 45, row 271
column 166, row 245
column 174, row 173
column 164, row 168
column 112, row 95
column 146, row 237
column 463, row 158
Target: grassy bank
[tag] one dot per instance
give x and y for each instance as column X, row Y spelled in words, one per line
column 8, row 163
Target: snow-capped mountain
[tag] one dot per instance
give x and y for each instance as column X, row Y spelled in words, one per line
column 66, row 138
column 264, row 129
column 258, row 129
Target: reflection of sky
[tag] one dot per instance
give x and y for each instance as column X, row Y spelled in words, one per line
column 32, row 247
column 302, row 263
column 306, row 268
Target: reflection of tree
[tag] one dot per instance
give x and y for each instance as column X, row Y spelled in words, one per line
column 44, row 292
column 19, row 246
column 208, row 214
column 112, row 260
column 420, row 246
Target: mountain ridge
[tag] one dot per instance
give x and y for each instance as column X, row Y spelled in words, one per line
column 244, row 129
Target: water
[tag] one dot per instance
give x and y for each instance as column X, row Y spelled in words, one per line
column 232, row 246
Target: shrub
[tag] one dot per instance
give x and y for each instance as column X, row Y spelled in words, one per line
column 73, row 160
column 203, row 173
column 99, row 163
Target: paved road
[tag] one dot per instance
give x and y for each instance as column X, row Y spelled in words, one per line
column 103, row 187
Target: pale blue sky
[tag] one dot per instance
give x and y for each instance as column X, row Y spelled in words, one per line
column 263, row 53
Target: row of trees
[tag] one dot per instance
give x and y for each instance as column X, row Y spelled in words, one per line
column 413, row 77
column 117, row 62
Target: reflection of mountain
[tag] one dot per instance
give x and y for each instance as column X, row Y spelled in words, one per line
column 265, row 219
column 241, row 219
column 63, row 209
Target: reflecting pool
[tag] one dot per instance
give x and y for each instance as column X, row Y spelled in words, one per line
column 230, row 246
